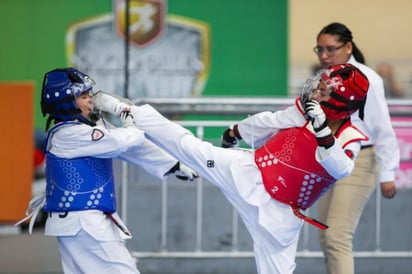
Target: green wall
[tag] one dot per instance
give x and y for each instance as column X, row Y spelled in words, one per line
column 248, row 41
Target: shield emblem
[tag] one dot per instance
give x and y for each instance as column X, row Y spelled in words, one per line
column 183, row 48
column 146, row 20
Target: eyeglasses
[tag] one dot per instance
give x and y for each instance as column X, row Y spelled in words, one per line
column 330, row 50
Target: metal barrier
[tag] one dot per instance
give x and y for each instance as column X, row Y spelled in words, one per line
column 400, row 108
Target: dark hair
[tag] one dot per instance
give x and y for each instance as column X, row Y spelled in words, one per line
column 344, row 35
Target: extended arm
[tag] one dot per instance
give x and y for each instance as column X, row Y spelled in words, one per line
column 157, row 162
column 152, row 158
column 257, row 129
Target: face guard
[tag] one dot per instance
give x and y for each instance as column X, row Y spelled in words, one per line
column 347, row 87
column 309, row 87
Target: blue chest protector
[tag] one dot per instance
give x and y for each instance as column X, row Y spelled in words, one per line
column 79, row 184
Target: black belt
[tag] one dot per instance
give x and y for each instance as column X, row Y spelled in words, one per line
column 367, row 146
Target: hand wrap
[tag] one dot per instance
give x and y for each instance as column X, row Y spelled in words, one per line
column 109, row 103
column 317, row 117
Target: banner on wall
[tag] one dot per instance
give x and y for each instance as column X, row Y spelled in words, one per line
column 404, row 135
column 169, row 55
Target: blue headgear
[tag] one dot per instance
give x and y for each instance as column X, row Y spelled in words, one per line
column 59, row 92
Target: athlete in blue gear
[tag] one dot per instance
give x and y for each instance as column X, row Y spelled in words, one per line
column 80, row 193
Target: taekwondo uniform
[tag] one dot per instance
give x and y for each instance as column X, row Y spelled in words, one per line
column 80, row 192
column 246, row 176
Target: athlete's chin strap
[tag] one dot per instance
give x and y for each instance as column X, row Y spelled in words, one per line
column 310, row 220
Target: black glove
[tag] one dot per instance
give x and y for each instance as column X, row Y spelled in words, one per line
column 227, row 141
column 317, row 117
column 183, row 172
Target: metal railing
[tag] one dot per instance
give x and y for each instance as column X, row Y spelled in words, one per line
column 241, row 106
column 226, row 106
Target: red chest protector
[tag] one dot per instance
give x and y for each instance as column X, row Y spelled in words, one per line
column 289, row 169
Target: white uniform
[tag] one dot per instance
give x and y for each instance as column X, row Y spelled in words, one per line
column 272, row 225
column 79, row 232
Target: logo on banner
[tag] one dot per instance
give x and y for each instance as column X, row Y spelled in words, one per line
column 169, row 55
column 146, row 20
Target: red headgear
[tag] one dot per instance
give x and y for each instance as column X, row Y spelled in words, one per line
column 349, row 87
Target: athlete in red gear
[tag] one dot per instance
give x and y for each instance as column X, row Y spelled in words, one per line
column 301, row 152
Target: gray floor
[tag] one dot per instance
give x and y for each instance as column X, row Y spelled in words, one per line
column 37, row 254
column 26, row 253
